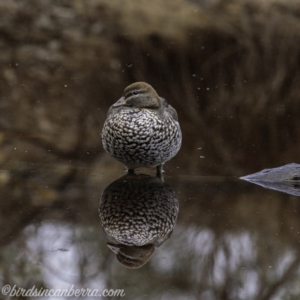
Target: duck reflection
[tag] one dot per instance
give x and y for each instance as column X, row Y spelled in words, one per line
column 138, row 213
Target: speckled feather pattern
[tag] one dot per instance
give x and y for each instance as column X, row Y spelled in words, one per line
column 141, row 137
column 138, row 214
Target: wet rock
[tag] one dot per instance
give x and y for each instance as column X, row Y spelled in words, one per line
column 285, row 179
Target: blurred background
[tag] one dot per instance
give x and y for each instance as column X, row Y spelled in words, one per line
column 231, row 68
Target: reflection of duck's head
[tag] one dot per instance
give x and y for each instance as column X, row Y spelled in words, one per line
column 138, row 212
column 132, row 257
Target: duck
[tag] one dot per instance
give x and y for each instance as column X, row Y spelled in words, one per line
column 141, row 129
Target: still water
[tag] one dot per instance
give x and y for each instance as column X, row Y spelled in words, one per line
column 207, row 237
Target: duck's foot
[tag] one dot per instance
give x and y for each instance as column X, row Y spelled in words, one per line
column 159, row 171
column 130, row 171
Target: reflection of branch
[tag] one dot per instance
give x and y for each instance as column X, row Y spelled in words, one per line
column 285, row 277
column 18, row 225
column 66, row 180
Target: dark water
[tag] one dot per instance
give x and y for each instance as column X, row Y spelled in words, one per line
column 232, row 239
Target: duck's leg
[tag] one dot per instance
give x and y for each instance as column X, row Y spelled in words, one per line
column 159, row 170
column 130, row 171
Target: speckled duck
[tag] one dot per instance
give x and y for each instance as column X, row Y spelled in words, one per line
column 141, row 129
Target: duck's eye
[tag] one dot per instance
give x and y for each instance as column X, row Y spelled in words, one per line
column 135, row 92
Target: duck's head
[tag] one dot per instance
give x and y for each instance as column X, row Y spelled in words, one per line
column 139, row 95
column 132, row 257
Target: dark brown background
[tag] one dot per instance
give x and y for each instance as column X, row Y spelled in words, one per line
column 231, row 70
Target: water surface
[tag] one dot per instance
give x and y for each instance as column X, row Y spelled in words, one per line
column 232, row 239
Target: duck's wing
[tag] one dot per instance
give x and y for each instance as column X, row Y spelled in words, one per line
column 169, row 109
column 109, row 111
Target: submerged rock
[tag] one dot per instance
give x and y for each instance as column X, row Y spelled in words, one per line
column 285, row 179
